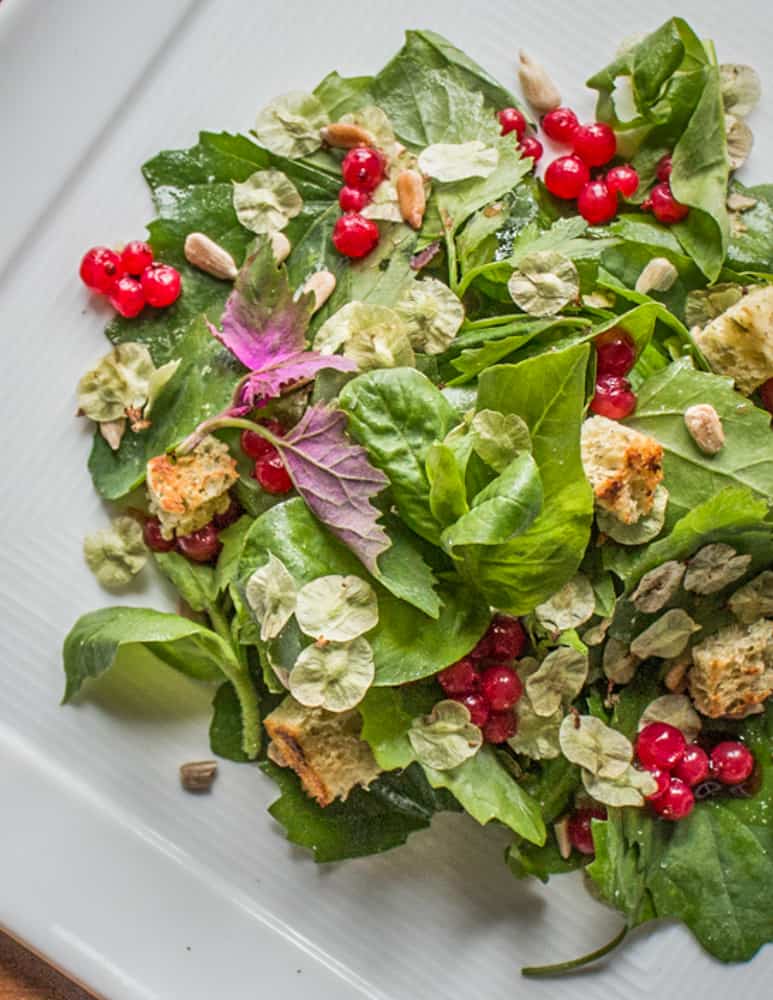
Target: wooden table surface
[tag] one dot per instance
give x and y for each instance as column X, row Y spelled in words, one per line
column 23, row 976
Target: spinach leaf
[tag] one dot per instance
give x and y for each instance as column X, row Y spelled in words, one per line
column 447, row 494
column 690, row 476
column 100, row 639
column 751, row 240
column 342, row 95
column 548, row 393
column 368, row 822
column 185, row 402
column 194, row 581
column 397, row 414
column 232, row 539
column 226, row 736
column 407, row 645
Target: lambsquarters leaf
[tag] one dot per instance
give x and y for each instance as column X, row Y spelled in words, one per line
column 481, row 784
column 712, row 870
column 548, row 393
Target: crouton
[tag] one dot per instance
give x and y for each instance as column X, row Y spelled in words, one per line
column 732, row 671
column 623, row 466
column 323, row 748
column 739, row 342
column 185, row 493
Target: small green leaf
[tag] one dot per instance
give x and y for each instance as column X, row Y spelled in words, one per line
column 116, row 554
column 194, row 581
column 570, row 607
column 715, row 567
column 557, row 681
column 446, row 737
column 290, row 124
column 658, row 587
column 666, row 637
column 334, row 676
column 599, row 749
column 447, row 493
column 266, row 201
column 271, row 594
column 677, row 711
column 754, row 600
column 498, row 438
column 448, row 162
column 337, row 608
column 544, row 282
column 121, row 379
column 432, row 314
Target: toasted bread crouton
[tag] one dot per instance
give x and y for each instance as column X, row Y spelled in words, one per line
column 323, row 748
column 732, row 672
column 739, row 343
column 624, row 467
column 186, row 492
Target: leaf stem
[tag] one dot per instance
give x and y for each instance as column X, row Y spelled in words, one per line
column 238, row 674
column 218, row 423
column 535, row 971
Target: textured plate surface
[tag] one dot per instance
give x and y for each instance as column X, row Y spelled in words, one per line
column 106, row 866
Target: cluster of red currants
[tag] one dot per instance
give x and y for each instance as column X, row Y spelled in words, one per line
column 131, row 279
column 615, row 356
column 362, row 170
column 270, row 470
column 201, row 546
column 678, row 766
column 513, row 120
column 485, row 682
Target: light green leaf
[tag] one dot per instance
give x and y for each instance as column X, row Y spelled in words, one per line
column 432, row 314
column 447, row 494
column 599, row 749
column 629, row 789
column 336, row 607
column 715, row 567
column 448, row 162
column 120, row 380
column 557, row 681
column 289, row 125
column 644, row 530
column 667, row 636
column 266, row 201
column 334, row 676
column 373, row 336
column 677, row 711
column 116, row 554
column 543, row 283
column 194, row 581
column 271, row 594
column 445, row 738
column 754, row 600
column 498, row 437
column 569, row 607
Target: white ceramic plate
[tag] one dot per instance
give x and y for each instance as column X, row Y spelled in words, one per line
column 106, row 867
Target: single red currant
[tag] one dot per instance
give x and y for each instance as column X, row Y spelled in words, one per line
column 560, row 124
column 477, row 706
column 676, row 802
column 531, row 146
column 566, row 176
column 614, row 398
column 501, row 687
column 506, row 638
column 255, row 446
column 615, row 353
column 155, row 541
column 272, row 475
column 731, row 762
column 664, row 205
column 512, row 120
column 693, row 768
column 460, row 678
column 664, row 168
column 499, row 727
column 663, row 779
column 623, row 179
column 580, row 830
column 766, row 394
column 200, row 546
column 127, row 297
column 595, row 144
column 363, row 168
column 596, row 203
column 100, row 268
column 354, row 235
column 135, row 257
column 161, row 284
column 352, row 199
column 660, row 745
column 232, row 513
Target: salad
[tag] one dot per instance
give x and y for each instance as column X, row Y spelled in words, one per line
column 463, row 474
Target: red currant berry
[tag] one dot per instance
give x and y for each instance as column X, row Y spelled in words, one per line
column 272, row 475
column 531, row 146
column 200, row 546
column 663, row 779
column 135, row 257
column 614, row 398
column 363, row 168
column 100, row 267
column 676, row 802
column 660, row 745
column 664, row 205
column 506, row 638
column 560, row 124
column 580, row 830
column 460, row 678
column 512, row 120
column 664, row 168
column 127, row 297
column 161, row 284
column 501, row 687
column 352, row 200
column 499, row 727
column 596, row 203
column 693, row 768
column 477, row 706
column 731, row 762
column 623, row 179
column 566, row 176
column 155, row 541
column 354, row 235
column 615, row 353
column 255, row 446
column 231, row 514
column 595, row 144
column 766, row 395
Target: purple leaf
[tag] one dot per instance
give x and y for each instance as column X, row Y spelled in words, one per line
column 337, row 481
column 268, row 382
column 278, row 340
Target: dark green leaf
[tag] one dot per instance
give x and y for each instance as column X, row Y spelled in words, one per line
column 194, row 581
column 225, row 730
